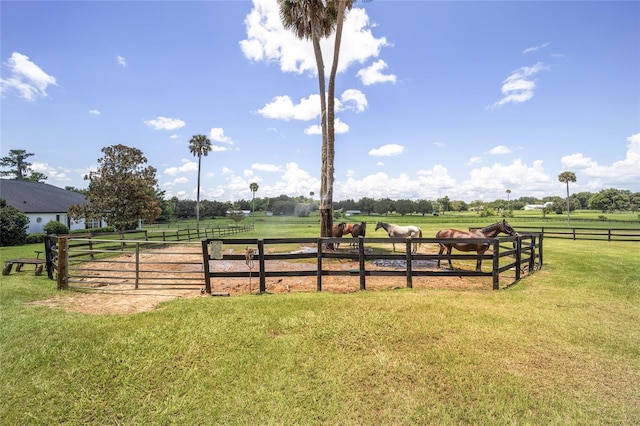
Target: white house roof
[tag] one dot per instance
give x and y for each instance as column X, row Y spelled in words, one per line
column 35, row 197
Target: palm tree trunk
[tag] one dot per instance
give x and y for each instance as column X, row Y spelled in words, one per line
column 326, row 222
column 331, row 136
column 568, row 206
column 198, row 199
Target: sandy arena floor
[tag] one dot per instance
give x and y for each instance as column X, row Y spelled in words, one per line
column 122, row 299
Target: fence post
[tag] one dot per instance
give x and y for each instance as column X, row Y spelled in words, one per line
column 263, row 280
column 409, row 263
column 63, row 263
column 137, row 264
column 205, row 263
column 363, row 285
column 518, row 256
column 532, row 258
column 496, row 264
column 48, row 254
column 319, row 269
column 540, row 248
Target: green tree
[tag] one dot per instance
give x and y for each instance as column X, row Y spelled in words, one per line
column 199, row 146
column 366, row 204
column 405, row 207
column 253, row 186
column 13, row 225
column 610, row 200
column 383, row 206
column 122, row 191
column 444, row 203
column 424, row 207
column 17, row 163
column 79, row 191
column 313, row 20
column 37, row 177
column 166, row 206
column 566, row 177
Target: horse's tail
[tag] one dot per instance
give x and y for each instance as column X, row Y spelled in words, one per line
column 419, row 234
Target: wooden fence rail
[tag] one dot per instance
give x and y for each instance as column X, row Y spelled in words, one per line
column 580, row 233
column 526, row 251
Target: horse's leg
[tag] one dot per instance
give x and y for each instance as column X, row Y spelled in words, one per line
column 479, row 261
column 449, row 248
column 440, row 254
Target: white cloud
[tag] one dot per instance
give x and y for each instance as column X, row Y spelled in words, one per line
column 186, row 167
column 283, row 108
column 474, row 160
column 293, row 182
column 165, row 123
column 58, row 174
column 534, row 48
column 619, row 173
column 517, row 88
column 353, row 96
column 440, row 144
column 339, row 127
column 267, row 40
column 94, row 112
column 218, row 148
column 373, row 74
column 121, row 60
column 387, row 150
column 25, row 77
column 500, row 149
column 266, row 167
column 217, row 134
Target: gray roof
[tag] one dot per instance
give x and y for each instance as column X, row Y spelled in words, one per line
column 35, row 197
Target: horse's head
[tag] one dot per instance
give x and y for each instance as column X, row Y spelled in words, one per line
column 507, row 229
column 379, row 225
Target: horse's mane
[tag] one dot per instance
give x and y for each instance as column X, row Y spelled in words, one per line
column 491, row 227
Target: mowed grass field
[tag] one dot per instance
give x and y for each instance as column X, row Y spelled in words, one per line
column 561, row 347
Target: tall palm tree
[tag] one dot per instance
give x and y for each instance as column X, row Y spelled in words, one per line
column 253, row 186
column 567, row 177
column 312, row 19
column 199, row 145
column 341, row 7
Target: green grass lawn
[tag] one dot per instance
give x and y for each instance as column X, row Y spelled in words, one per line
column 560, row 347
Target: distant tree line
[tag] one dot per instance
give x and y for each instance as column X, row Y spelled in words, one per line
column 608, row 200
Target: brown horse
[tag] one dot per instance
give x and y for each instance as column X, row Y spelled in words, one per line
column 338, row 231
column 358, row 229
column 487, row 232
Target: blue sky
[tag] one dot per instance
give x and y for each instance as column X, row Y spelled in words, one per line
column 463, row 99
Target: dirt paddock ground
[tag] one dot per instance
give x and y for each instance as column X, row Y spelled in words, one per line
column 121, row 297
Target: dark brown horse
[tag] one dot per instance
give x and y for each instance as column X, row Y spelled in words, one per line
column 487, row 232
column 357, row 230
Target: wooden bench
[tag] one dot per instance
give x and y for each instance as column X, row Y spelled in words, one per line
column 8, row 265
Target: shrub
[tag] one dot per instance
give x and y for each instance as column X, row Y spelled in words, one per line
column 13, row 225
column 36, row 238
column 488, row 212
column 302, row 210
column 55, row 227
